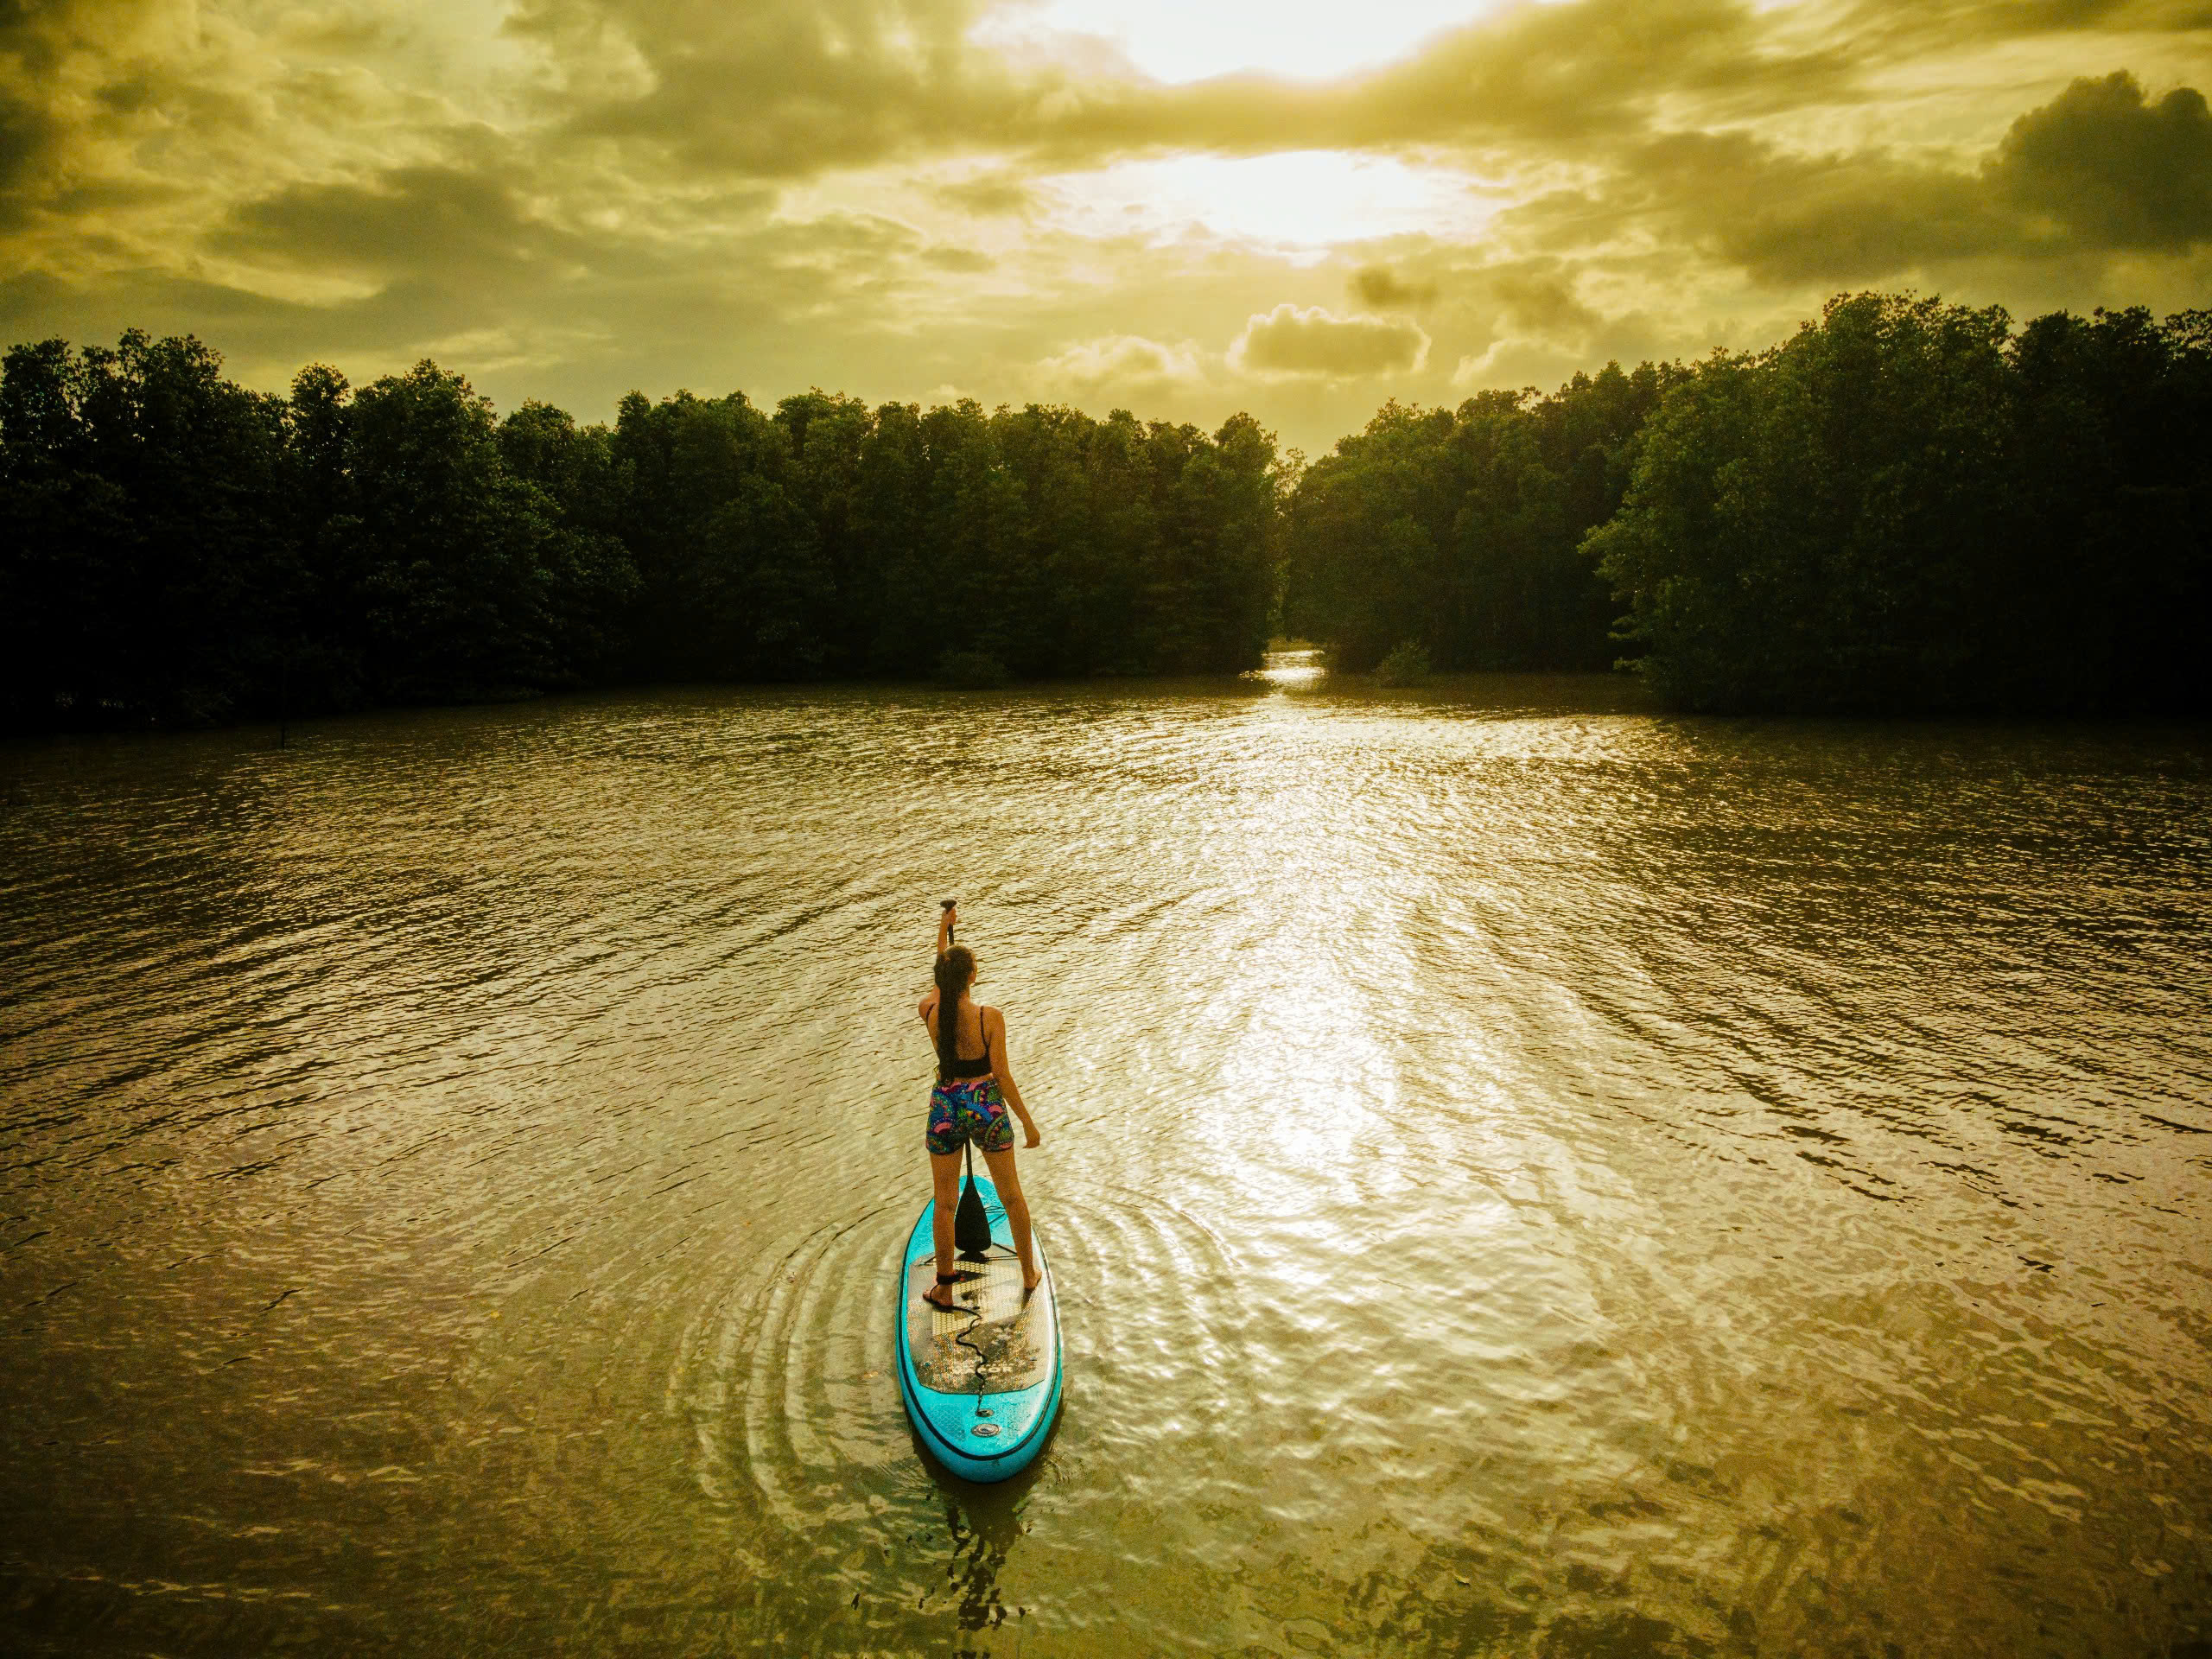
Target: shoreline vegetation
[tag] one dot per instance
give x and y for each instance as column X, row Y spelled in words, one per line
column 1907, row 507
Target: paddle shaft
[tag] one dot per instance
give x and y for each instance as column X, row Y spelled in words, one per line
column 971, row 1226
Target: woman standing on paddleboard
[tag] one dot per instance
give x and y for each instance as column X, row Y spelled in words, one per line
column 975, row 1085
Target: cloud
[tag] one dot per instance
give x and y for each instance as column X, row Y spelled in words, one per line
column 1381, row 288
column 1538, row 328
column 403, row 220
column 2098, row 169
column 613, row 192
column 1128, row 361
column 1786, row 218
column 73, row 82
column 1899, row 29
column 786, row 89
column 782, row 88
column 1563, row 77
column 1311, row 340
column 2116, row 170
column 990, row 195
column 1477, row 373
column 1537, row 296
column 791, row 88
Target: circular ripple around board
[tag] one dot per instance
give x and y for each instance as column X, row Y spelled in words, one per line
column 787, row 1385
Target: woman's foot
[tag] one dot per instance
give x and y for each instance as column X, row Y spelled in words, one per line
column 1031, row 1278
column 939, row 1295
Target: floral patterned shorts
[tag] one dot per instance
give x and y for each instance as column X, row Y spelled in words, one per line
column 961, row 1112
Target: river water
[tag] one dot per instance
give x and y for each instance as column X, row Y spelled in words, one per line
column 1524, row 1175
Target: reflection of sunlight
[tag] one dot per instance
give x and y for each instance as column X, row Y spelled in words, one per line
column 1346, row 1083
column 1292, row 670
column 1310, row 197
column 1181, row 42
column 1310, row 1062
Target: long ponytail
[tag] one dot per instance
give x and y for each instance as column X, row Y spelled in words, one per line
column 954, row 969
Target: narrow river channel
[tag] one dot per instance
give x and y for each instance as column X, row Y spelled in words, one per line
column 1524, row 1175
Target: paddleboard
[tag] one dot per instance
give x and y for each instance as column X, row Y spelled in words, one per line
column 983, row 1386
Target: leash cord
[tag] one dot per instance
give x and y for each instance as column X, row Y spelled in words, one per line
column 976, row 1324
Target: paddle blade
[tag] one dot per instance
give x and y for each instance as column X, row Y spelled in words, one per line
column 971, row 1227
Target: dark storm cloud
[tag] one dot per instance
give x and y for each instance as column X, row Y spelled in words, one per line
column 2117, row 171
column 1788, row 219
column 2100, row 169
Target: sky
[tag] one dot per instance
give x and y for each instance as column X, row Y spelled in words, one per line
column 1297, row 209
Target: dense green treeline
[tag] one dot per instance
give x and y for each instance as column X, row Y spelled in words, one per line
column 1463, row 529
column 832, row 538
column 1911, row 506
column 1908, row 507
column 178, row 548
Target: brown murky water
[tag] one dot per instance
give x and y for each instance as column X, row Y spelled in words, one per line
column 1524, row 1176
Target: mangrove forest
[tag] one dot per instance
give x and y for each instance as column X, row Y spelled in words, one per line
column 1906, row 507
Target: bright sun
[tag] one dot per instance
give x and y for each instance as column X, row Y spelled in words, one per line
column 1311, row 199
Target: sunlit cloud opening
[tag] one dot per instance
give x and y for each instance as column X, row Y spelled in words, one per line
column 1177, row 43
column 1302, row 199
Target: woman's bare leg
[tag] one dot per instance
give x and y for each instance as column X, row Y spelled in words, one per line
column 1017, row 1213
column 944, row 1182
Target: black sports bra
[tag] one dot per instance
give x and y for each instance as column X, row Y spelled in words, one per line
column 964, row 1071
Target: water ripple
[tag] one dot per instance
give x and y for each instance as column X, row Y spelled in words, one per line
column 1523, row 1175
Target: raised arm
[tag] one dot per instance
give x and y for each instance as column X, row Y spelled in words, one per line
column 947, row 918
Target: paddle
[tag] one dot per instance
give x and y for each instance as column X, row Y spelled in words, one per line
column 971, row 1227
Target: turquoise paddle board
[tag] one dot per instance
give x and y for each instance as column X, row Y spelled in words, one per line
column 983, row 1386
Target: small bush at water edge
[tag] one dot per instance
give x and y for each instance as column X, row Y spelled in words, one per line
column 1407, row 665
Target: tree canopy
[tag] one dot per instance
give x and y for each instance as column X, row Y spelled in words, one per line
column 1909, row 507
column 1906, row 506
column 1461, row 529
column 179, row 548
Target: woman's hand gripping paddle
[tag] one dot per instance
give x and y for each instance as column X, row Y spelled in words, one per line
column 971, row 1227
